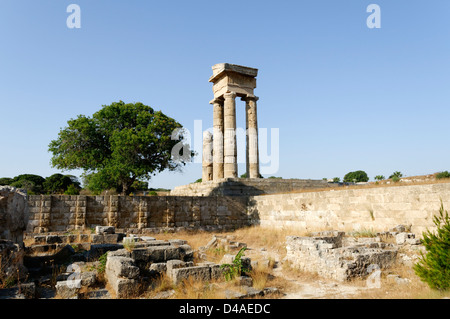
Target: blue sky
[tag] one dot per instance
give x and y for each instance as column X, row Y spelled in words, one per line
column 343, row 96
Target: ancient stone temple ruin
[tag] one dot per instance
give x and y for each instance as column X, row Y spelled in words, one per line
column 219, row 150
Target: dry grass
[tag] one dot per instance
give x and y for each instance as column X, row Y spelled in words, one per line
column 390, row 289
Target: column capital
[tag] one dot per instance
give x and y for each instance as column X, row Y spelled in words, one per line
column 250, row 97
column 215, row 100
column 229, row 95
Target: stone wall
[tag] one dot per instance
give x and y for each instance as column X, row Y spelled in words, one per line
column 248, row 187
column 376, row 208
column 13, row 213
column 145, row 213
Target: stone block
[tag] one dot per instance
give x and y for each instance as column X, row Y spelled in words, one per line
column 68, row 289
column 105, row 230
column 172, row 253
column 401, row 238
column 53, row 239
column 122, row 267
column 158, row 268
column 202, row 273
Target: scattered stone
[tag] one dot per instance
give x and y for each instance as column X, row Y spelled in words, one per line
column 105, row 230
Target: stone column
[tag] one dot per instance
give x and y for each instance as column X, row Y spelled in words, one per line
column 252, row 154
column 218, row 138
column 207, row 161
column 230, row 147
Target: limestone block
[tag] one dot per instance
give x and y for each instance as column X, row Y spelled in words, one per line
column 14, row 213
column 122, row 267
column 67, row 289
column 105, row 229
column 202, row 273
column 401, row 238
column 158, row 268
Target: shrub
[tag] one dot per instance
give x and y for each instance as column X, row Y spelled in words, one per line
column 444, row 174
column 336, row 180
column 434, row 267
column 356, row 177
column 395, row 179
column 153, row 193
column 236, row 268
column 129, row 244
column 396, row 174
column 379, row 177
column 72, row 190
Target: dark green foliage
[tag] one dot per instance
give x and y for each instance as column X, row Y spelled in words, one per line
column 139, row 186
column 444, row 174
column 33, row 184
column 434, row 266
column 230, row 271
column 5, row 181
column 72, row 190
column 198, row 180
column 336, row 180
column 59, row 184
column 396, row 174
column 356, row 177
column 118, row 145
column 379, row 177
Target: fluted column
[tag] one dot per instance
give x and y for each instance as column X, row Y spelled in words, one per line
column 230, row 145
column 218, row 130
column 252, row 153
column 207, row 161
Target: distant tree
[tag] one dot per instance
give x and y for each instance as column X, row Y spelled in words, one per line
column 32, row 183
column 379, row 177
column 59, row 184
column 72, row 190
column 244, row 175
column 356, row 177
column 439, row 175
column 396, row 174
column 273, row 177
column 5, row 181
column 139, row 186
column 198, row 180
column 336, row 180
column 120, row 144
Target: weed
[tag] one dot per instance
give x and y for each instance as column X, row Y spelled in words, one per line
column 129, row 244
column 236, row 268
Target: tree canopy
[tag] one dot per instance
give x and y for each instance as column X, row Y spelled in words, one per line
column 357, row 176
column 119, row 145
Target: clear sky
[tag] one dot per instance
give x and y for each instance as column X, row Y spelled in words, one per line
column 343, row 96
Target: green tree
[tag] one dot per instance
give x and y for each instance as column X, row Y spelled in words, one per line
column 72, row 190
column 379, row 177
column 434, row 266
column 439, row 175
column 59, row 184
column 356, row 177
column 120, row 144
column 396, row 174
column 32, row 183
column 5, row 181
column 336, row 180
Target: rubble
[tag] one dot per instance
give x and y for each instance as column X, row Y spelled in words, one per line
column 332, row 256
